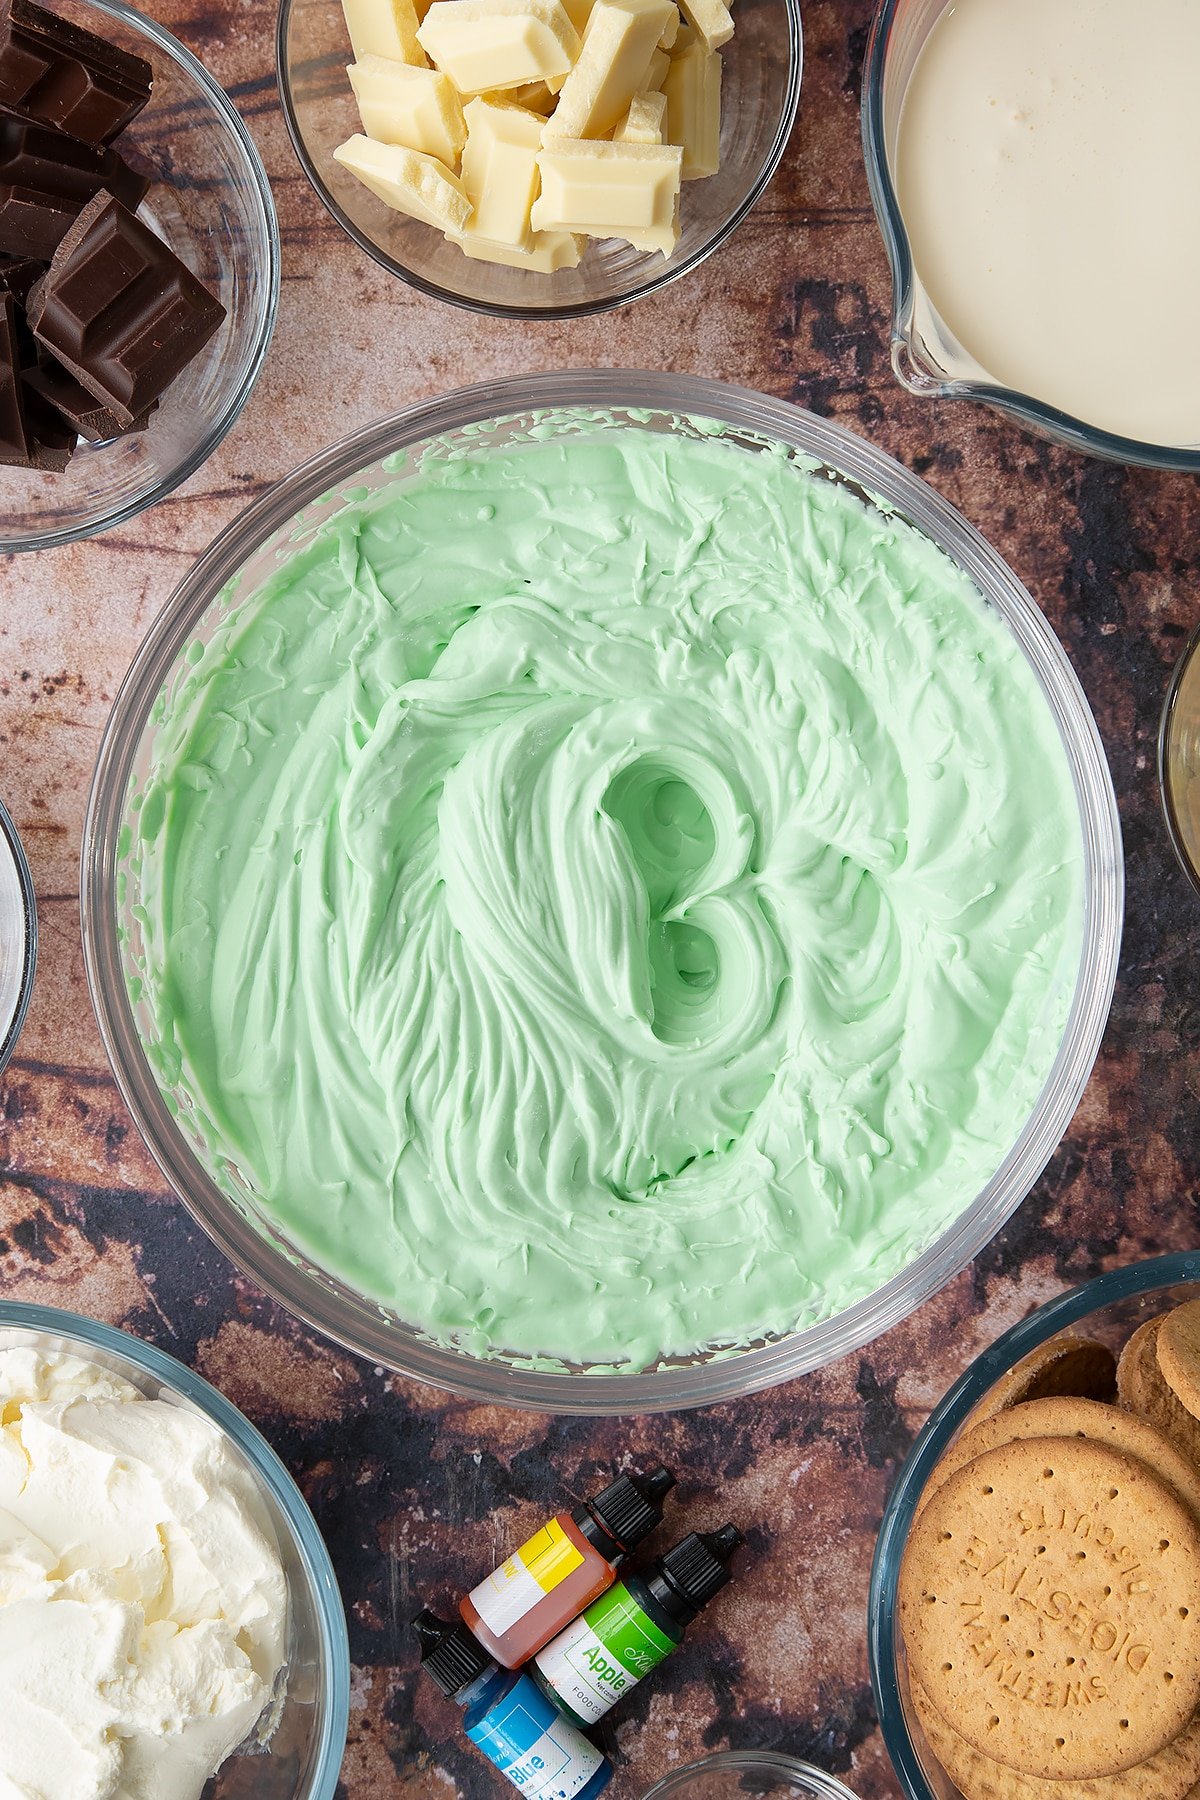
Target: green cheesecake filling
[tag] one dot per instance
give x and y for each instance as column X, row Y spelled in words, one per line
column 611, row 896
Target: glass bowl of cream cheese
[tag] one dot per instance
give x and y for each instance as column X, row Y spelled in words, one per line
column 170, row 1622
column 18, row 937
column 1107, row 1311
column 1025, row 164
column 602, row 892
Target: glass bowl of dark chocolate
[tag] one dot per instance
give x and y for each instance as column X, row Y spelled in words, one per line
column 139, row 267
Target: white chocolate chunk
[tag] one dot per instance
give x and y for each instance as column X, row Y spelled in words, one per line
column 620, row 40
column 644, row 122
column 568, row 119
column 408, row 182
column 656, row 74
column 693, row 90
column 547, row 251
column 500, row 171
column 384, row 28
column 711, row 18
column 534, row 95
column 485, row 45
column 605, row 190
column 418, row 108
column 662, row 237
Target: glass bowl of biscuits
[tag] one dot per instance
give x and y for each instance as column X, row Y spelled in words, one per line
column 1034, row 1625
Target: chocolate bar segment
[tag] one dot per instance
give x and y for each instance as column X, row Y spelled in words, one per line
column 52, row 441
column 119, row 309
column 88, row 417
column 18, row 274
column 63, row 75
column 32, row 434
column 17, row 277
column 15, row 448
column 47, row 178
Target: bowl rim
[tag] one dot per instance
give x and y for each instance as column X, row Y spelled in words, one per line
column 719, row 1378
column 1176, row 1269
column 12, row 843
column 268, row 284
column 1165, row 725
column 909, row 370
column 310, row 1546
column 821, row 1785
column 579, row 309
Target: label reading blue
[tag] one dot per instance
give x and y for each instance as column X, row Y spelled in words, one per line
column 530, row 1742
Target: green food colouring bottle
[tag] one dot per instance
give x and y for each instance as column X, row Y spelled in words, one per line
column 624, row 1635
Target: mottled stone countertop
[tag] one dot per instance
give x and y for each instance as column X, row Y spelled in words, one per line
column 416, row 1492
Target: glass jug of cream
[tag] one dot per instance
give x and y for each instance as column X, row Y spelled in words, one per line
column 1031, row 164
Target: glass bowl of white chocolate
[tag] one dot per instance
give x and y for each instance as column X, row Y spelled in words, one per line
column 539, row 158
column 170, row 1622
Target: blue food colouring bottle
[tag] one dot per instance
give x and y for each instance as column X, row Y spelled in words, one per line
column 509, row 1719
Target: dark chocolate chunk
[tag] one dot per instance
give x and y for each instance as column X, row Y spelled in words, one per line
column 119, row 309
column 52, row 440
column 63, row 75
column 47, row 178
column 15, row 448
column 18, row 274
column 32, row 434
column 88, row 417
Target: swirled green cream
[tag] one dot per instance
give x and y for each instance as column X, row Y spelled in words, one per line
column 610, row 896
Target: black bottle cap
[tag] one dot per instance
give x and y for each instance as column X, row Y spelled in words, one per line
column 698, row 1568
column 630, row 1508
column 449, row 1654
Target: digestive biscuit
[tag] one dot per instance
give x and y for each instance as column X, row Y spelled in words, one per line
column 1171, row 1775
column 1143, row 1388
column 1066, row 1365
column 1071, row 1418
column 1178, row 1348
column 1050, row 1606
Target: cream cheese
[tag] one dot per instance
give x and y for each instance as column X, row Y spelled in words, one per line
column 143, row 1606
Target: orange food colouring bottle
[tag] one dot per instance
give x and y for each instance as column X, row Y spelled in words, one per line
column 569, row 1563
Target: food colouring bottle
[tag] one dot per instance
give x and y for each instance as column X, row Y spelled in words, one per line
column 635, row 1626
column 517, row 1728
column 569, row 1563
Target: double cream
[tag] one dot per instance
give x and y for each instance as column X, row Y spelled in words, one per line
column 608, row 895
column 1045, row 167
column 143, row 1607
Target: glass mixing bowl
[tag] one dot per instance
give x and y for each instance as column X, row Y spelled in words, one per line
column 926, row 358
column 1110, row 1309
column 212, row 203
column 234, row 567
column 304, row 1755
column 18, row 937
column 1179, row 760
column 760, row 94
column 740, row 1774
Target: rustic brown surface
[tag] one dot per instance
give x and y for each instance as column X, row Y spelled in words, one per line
column 414, row 1492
